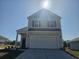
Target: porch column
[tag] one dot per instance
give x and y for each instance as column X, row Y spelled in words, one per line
column 16, row 40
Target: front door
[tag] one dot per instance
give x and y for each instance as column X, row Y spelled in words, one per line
column 23, row 42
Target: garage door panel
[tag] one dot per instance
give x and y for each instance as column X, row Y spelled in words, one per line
column 43, row 42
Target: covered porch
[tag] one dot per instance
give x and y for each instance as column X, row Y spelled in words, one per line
column 23, row 32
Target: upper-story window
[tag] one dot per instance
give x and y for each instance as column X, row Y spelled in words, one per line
column 35, row 23
column 52, row 23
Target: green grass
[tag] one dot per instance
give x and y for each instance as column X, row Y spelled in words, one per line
column 73, row 52
column 9, row 54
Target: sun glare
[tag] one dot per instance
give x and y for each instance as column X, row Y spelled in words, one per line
column 45, row 4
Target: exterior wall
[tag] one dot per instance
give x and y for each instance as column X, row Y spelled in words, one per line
column 74, row 45
column 44, row 23
column 52, row 39
column 60, row 39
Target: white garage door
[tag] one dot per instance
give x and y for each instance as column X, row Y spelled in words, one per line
column 43, row 42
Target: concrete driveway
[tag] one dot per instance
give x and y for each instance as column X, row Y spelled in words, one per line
column 44, row 54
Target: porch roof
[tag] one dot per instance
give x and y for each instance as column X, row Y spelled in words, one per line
column 22, row 30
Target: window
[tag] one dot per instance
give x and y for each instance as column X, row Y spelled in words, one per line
column 52, row 23
column 35, row 23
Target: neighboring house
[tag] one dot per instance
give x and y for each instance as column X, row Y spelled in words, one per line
column 74, row 44
column 43, row 31
column 3, row 40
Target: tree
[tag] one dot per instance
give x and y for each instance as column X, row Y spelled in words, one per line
column 65, row 44
column 13, row 43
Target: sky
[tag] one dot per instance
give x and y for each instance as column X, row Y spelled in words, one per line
column 14, row 13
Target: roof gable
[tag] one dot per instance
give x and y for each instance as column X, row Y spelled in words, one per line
column 43, row 13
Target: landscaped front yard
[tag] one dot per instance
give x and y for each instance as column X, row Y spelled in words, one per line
column 75, row 53
column 6, row 46
column 6, row 54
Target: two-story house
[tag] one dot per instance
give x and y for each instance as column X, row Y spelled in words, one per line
column 43, row 31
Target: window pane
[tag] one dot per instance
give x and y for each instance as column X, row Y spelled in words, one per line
column 52, row 23
column 35, row 23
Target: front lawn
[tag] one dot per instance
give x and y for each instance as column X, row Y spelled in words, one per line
column 73, row 52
